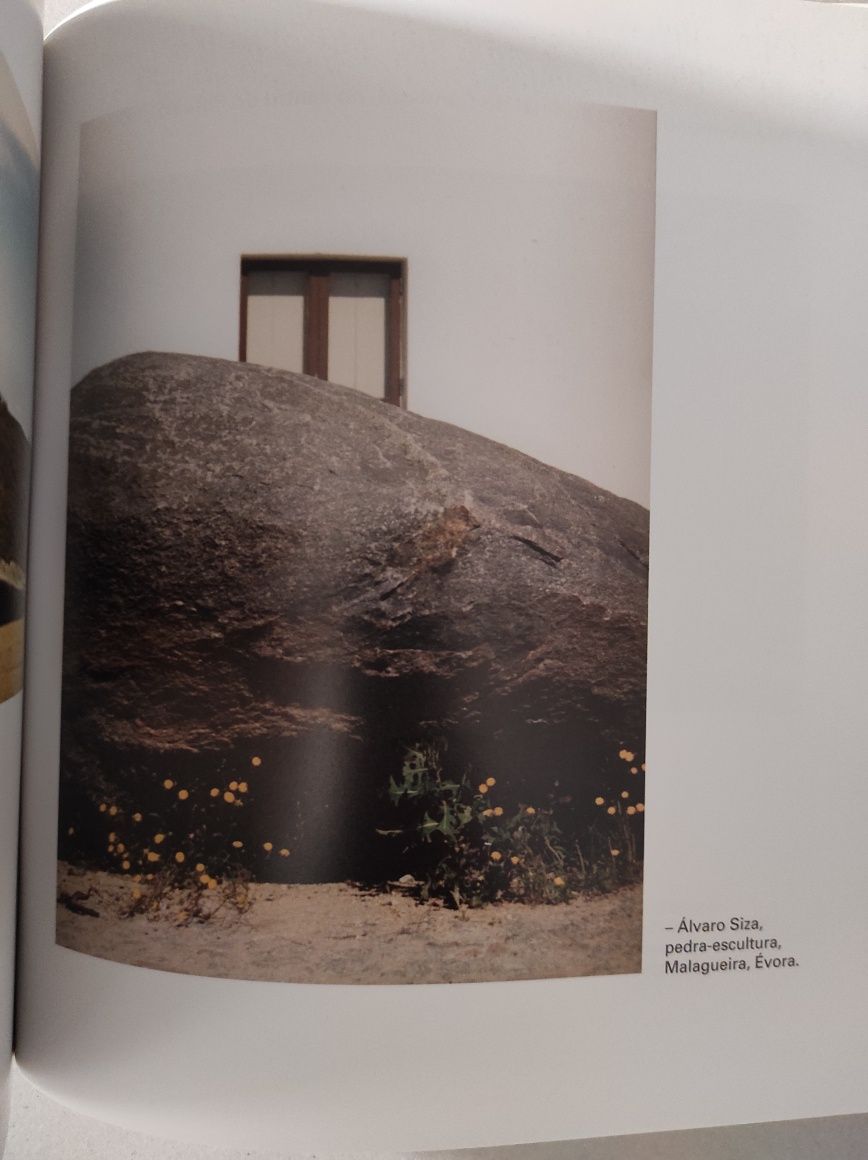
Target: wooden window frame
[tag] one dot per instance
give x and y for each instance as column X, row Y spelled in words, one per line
column 318, row 269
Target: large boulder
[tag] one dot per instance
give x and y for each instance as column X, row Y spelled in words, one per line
column 14, row 481
column 266, row 568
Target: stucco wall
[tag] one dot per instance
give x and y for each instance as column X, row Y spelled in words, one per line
column 529, row 236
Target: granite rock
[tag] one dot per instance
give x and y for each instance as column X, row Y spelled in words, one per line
column 263, row 564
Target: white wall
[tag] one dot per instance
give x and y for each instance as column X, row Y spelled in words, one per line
column 528, row 231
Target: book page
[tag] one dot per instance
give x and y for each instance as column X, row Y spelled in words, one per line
column 20, row 97
column 374, row 409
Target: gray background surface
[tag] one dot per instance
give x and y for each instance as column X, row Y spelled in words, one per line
column 43, row 1130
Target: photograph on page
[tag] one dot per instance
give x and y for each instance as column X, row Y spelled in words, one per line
column 357, row 543
column 19, row 182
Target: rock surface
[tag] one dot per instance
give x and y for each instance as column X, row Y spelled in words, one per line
column 263, row 564
column 14, row 481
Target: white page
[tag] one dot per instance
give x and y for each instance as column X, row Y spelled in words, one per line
column 752, row 283
column 20, row 100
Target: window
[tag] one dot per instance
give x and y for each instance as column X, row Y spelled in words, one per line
column 340, row 319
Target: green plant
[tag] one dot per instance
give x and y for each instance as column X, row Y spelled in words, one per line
column 441, row 828
column 181, row 845
column 616, row 835
column 462, row 848
column 459, row 845
column 184, row 899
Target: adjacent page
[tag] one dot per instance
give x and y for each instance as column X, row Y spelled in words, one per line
column 382, row 365
column 20, row 101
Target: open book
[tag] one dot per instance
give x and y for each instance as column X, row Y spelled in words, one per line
column 372, row 353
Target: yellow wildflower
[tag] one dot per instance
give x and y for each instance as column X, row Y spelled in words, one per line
column 489, row 781
column 496, row 855
column 168, row 783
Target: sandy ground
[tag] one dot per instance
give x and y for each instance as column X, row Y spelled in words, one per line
column 334, row 933
column 11, row 658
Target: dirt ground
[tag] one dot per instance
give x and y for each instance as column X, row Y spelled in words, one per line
column 11, row 658
column 334, row 933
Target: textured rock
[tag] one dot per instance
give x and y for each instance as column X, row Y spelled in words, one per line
column 14, row 479
column 260, row 563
